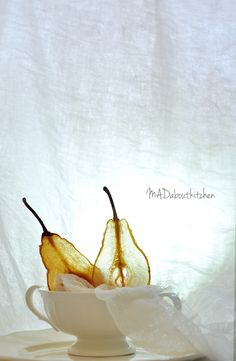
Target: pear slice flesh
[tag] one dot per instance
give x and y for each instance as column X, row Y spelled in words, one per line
column 60, row 256
column 120, row 261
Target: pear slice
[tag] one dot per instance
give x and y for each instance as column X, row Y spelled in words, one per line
column 60, row 256
column 120, row 260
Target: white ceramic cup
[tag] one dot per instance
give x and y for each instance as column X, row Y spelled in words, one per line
column 85, row 316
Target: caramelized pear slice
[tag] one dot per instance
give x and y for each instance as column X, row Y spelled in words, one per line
column 60, row 256
column 120, row 260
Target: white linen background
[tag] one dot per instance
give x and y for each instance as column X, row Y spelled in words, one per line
column 128, row 94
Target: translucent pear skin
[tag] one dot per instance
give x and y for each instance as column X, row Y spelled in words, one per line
column 60, row 256
column 120, row 260
column 119, row 263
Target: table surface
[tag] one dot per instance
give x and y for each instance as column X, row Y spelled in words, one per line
column 49, row 345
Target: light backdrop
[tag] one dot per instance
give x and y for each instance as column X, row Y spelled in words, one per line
column 134, row 95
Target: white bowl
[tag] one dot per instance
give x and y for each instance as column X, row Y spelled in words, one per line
column 83, row 315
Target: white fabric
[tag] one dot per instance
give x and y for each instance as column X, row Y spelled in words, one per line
column 71, row 283
column 151, row 322
column 132, row 95
column 176, row 327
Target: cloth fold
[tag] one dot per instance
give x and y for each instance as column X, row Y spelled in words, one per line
column 154, row 317
column 204, row 324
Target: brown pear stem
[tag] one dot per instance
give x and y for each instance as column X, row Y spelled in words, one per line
column 45, row 231
column 112, row 203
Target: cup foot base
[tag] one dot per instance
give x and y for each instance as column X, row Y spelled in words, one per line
column 101, row 347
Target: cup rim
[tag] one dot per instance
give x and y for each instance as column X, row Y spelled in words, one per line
column 80, row 291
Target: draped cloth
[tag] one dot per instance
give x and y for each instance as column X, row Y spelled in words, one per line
column 137, row 96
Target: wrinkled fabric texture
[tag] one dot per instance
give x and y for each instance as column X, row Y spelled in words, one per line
column 148, row 319
column 138, row 96
column 145, row 316
column 71, row 283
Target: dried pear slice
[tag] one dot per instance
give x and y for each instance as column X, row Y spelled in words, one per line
column 120, row 260
column 60, row 256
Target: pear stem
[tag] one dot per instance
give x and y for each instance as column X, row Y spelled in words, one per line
column 112, row 203
column 45, row 231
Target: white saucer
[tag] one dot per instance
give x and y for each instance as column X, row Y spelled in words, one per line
column 49, row 345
